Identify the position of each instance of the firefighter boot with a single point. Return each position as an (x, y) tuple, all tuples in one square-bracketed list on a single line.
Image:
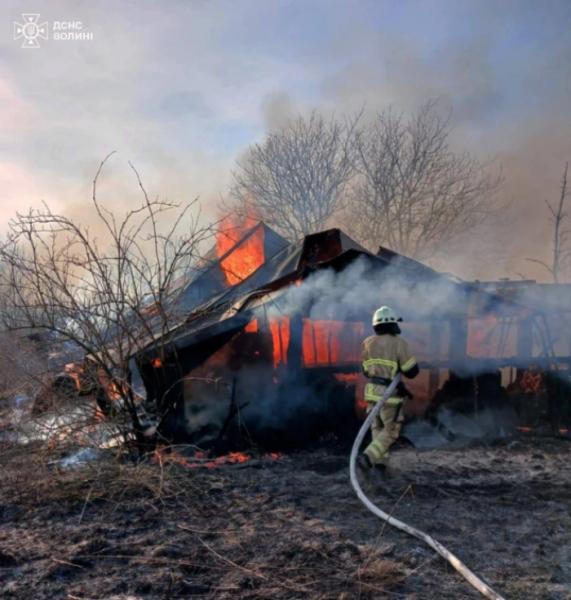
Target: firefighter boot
[(364, 463)]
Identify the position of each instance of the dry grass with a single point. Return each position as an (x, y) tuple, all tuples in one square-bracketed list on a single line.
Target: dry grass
[(164, 531), (288, 528)]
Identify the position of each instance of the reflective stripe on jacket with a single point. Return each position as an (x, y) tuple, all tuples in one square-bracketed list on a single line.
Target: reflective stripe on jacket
[(384, 356)]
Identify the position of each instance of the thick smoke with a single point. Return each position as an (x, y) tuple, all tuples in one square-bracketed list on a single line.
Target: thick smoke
[(350, 295), (355, 292), (359, 289), (289, 399)]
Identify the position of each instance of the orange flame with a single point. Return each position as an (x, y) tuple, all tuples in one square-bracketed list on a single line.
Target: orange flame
[(115, 390), (347, 378), (361, 406), (331, 342), (239, 259), (531, 382), (280, 330), (252, 326), (157, 363), (524, 429), (75, 370), (199, 460)]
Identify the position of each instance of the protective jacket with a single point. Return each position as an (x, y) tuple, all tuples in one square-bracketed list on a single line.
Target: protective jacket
[(383, 357)]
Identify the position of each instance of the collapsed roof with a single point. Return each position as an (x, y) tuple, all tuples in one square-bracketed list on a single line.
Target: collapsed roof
[(220, 294)]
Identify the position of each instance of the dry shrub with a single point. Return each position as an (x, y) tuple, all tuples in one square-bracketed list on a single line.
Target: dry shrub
[(28, 479)]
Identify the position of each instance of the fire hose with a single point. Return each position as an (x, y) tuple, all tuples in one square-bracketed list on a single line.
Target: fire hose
[(471, 577)]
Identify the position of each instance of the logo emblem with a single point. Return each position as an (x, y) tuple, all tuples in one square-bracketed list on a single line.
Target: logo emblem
[(30, 30)]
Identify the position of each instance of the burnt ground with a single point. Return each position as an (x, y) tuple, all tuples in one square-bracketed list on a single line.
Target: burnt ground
[(288, 528)]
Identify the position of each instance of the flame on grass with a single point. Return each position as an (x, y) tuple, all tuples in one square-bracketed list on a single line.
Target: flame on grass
[(201, 460)]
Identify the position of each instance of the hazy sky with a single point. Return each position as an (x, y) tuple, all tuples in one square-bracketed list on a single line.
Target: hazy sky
[(182, 88)]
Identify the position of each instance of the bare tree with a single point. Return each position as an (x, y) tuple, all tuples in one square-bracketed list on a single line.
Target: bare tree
[(561, 251), (296, 178), (112, 297), (412, 192)]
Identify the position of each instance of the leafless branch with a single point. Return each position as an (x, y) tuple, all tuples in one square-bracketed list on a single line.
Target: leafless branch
[(561, 251), (413, 194), (110, 297), (296, 178)]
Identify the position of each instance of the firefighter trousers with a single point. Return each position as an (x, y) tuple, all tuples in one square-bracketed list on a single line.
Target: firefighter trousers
[(385, 431)]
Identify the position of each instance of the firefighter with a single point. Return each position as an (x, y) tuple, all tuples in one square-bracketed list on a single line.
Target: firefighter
[(384, 355)]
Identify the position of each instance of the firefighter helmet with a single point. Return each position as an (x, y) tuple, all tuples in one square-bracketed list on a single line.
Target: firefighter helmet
[(385, 314)]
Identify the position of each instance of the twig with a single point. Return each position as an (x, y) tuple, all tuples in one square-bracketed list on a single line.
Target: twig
[(395, 505), (284, 584), (231, 562), (69, 564), (191, 530), (88, 497)]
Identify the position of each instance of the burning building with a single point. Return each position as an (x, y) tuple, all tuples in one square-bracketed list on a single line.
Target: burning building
[(270, 338)]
